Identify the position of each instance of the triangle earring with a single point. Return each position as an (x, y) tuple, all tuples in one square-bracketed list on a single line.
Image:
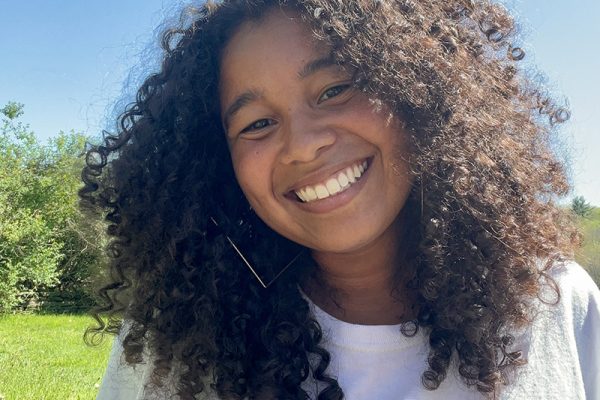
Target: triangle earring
[(263, 283)]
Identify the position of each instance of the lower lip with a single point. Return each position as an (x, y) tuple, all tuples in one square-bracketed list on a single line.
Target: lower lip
[(337, 200)]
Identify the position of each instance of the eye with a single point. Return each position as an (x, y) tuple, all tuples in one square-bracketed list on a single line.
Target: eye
[(333, 92), (258, 125)]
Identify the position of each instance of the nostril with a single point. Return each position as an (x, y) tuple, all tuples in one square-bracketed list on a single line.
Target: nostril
[(305, 143)]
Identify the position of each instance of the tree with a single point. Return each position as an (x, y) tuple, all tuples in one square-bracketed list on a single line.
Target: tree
[(581, 207), (12, 110), (42, 244)]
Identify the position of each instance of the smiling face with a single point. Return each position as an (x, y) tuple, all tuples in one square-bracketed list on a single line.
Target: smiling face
[(315, 159)]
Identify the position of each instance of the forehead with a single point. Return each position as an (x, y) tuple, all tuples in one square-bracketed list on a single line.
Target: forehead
[(277, 44)]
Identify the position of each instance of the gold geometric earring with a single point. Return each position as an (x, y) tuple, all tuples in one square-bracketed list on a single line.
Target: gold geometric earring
[(247, 263)]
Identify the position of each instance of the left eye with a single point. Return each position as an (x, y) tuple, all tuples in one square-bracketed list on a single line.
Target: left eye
[(333, 92), (258, 125)]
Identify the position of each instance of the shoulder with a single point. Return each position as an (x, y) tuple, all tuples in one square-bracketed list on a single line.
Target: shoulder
[(562, 345), (568, 304), (123, 381), (579, 296), (573, 276)]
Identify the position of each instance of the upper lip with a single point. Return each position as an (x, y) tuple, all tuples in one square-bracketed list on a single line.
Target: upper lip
[(320, 175)]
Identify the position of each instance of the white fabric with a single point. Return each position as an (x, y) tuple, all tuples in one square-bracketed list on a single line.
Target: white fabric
[(562, 347)]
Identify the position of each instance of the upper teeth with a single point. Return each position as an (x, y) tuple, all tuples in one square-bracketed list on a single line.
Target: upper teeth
[(335, 184)]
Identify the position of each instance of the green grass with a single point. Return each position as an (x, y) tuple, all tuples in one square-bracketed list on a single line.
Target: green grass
[(43, 357)]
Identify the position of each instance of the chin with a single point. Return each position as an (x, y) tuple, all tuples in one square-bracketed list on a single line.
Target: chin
[(342, 245)]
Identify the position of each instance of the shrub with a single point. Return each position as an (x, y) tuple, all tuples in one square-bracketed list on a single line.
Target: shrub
[(43, 243), (589, 253)]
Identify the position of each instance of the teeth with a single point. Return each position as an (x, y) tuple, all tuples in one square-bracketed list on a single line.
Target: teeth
[(333, 186), (343, 180), (321, 191), (302, 195), (350, 175), (311, 194), (339, 183)]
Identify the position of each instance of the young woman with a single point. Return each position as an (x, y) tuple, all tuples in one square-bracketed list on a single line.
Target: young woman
[(341, 199)]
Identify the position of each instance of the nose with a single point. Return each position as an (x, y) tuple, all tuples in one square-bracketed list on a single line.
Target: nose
[(306, 137)]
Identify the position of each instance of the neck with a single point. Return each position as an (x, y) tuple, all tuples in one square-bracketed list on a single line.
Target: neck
[(360, 287)]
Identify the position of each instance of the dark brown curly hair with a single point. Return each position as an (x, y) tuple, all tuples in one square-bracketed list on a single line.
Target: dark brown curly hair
[(479, 218)]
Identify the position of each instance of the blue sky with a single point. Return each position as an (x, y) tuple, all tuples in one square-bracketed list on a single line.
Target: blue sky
[(69, 60)]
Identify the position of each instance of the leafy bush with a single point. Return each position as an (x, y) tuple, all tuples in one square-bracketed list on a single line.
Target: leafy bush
[(589, 254), (43, 245)]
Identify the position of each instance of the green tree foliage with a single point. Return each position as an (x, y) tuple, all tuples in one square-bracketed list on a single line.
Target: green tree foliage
[(589, 253), (42, 244), (581, 207), (12, 110)]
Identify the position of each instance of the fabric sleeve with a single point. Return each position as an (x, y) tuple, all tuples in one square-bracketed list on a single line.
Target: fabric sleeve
[(586, 315), (122, 381)]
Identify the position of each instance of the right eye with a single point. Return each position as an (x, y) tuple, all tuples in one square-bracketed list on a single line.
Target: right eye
[(333, 91), (258, 125)]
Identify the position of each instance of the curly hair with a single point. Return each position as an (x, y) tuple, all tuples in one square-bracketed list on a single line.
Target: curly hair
[(479, 218)]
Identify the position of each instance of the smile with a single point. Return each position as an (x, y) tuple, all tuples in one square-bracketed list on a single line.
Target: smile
[(337, 183)]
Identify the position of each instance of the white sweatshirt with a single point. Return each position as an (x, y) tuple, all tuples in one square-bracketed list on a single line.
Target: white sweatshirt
[(562, 348)]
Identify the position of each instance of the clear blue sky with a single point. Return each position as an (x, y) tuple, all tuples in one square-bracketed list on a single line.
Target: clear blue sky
[(67, 61)]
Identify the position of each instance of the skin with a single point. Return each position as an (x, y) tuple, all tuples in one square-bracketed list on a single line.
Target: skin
[(297, 125)]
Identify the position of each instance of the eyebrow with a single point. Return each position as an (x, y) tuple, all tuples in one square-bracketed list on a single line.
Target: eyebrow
[(242, 100), (316, 65), (252, 95)]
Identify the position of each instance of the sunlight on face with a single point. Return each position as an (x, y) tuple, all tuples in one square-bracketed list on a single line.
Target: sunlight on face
[(314, 158)]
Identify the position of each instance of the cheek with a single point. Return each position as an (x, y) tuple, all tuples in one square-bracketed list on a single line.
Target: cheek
[(375, 123), (252, 171)]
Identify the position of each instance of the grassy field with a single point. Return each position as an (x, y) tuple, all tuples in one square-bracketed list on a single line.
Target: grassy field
[(43, 357)]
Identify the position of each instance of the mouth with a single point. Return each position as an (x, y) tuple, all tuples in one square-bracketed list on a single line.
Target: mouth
[(333, 185)]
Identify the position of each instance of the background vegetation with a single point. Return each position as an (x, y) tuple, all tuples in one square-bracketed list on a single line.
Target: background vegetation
[(48, 263), (42, 357), (588, 219), (44, 253)]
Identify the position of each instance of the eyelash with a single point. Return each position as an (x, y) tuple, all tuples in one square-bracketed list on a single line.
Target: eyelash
[(253, 127), (338, 89)]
